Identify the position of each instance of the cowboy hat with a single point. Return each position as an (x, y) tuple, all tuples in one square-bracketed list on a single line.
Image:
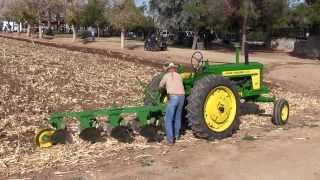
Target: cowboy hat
[(169, 66)]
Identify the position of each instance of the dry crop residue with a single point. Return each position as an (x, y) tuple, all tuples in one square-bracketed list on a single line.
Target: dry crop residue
[(38, 80)]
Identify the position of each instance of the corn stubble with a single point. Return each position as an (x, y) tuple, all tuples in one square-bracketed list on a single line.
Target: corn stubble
[(37, 80)]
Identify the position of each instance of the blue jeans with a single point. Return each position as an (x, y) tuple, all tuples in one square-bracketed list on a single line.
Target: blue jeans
[(173, 117)]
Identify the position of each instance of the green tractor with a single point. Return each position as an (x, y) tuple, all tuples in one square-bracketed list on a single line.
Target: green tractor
[(213, 101), (214, 92)]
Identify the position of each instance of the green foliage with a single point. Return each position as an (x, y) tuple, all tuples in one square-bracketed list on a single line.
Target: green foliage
[(315, 12), (299, 16), (49, 32), (257, 36), (190, 14), (126, 15), (85, 34), (249, 138), (169, 13), (252, 16), (22, 11), (271, 13), (303, 16), (196, 14), (94, 14), (74, 9)]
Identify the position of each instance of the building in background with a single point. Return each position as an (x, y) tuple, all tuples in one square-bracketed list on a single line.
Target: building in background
[(10, 26)]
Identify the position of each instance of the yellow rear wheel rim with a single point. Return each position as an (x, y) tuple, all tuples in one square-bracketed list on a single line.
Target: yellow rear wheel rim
[(44, 138), (220, 109), (285, 113)]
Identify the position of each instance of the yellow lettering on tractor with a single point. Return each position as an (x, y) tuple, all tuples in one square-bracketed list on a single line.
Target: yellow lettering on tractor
[(254, 73)]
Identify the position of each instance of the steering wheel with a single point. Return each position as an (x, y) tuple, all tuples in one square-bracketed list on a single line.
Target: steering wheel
[(197, 61)]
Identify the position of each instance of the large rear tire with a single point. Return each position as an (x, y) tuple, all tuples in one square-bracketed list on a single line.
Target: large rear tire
[(213, 108), (153, 88)]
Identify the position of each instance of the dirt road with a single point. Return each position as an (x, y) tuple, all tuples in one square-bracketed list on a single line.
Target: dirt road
[(259, 151), (277, 155)]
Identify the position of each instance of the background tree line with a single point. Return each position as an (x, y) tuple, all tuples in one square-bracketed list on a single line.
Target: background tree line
[(99, 14), (239, 16)]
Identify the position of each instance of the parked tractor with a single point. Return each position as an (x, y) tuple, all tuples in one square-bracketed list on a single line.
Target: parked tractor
[(155, 43), (212, 108)]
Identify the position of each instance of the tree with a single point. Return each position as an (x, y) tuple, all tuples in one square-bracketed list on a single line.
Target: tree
[(315, 15), (191, 15), (7, 11), (244, 11), (169, 13), (197, 18), (14, 12), (45, 9), (311, 2), (125, 15), (304, 16), (94, 14), (202, 15), (22, 11), (3, 7), (73, 9), (271, 16), (53, 8)]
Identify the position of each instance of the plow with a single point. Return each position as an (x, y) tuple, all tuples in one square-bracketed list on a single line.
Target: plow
[(214, 93)]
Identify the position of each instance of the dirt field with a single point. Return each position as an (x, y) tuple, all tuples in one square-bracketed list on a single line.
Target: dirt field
[(38, 80)]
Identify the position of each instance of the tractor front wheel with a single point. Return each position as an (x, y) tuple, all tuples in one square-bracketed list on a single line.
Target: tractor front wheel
[(213, 108), (280, 112)]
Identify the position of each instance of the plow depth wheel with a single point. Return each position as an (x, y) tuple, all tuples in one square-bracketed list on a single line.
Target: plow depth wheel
[(43, 139), (213, 107)]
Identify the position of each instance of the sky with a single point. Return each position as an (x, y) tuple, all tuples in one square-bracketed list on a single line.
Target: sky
[(139, 2)]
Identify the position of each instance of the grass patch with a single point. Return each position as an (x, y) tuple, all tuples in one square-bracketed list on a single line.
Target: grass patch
[(249, 138)]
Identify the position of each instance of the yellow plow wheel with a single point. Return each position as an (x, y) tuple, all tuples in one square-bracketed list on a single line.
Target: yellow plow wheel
[(43, 138)]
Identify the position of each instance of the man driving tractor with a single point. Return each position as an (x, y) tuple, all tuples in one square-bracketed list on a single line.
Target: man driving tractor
[(173, 83)]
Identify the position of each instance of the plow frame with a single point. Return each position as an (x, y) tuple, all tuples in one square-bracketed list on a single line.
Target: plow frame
[(113, 115)]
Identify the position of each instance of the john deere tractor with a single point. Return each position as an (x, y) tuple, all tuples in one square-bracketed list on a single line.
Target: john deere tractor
[(214, 92), (212, 107)]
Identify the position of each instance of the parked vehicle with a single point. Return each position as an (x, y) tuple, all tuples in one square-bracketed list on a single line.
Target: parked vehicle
[(131, 35), (155, 43), (189, 34), (166, 34)]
